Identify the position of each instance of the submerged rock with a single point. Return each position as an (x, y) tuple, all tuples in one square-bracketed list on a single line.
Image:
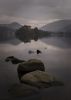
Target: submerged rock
[(30, 66), (40, 79), (24, 90), (14, 60)]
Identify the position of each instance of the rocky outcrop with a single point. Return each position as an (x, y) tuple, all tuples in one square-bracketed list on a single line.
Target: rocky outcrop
[(30, 66), (40, 79), (26, 66), (14, 60), (33, 82), (33, 78)]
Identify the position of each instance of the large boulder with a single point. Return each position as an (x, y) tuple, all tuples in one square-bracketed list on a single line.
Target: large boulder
[(29, 66), (40, 79), (22, 90)]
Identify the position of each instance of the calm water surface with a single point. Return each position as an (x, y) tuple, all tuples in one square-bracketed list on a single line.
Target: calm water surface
[(56, 55)]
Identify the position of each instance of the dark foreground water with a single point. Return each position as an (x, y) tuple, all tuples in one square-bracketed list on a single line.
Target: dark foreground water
[(56, 55)]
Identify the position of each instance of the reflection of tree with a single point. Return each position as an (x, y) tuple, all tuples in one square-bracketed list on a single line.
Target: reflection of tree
[(26, 33), (36, 34)]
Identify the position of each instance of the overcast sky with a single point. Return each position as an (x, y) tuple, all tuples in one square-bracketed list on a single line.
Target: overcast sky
[(34, 12)]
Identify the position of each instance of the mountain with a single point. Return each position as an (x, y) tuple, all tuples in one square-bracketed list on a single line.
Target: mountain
[(7, 31), (62, 26), (57, 26), (14, 25)]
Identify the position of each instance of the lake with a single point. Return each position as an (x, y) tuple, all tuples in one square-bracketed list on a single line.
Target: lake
[(56, 56)]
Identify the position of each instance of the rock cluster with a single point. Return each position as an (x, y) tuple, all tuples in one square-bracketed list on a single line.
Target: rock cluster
[(33, 77)]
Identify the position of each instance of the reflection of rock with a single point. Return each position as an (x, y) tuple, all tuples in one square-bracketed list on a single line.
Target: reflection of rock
[(40, 79), (26, 66), (30, 51), (29, 66), (23, 90), (14, 60)]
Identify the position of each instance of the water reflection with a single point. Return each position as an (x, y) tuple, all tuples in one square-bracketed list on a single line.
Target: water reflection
[(57, 60), (58, 41)]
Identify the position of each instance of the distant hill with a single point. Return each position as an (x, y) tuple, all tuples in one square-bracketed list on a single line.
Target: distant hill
[(63, 26), (7, 31), (57, 26), (14, 25)]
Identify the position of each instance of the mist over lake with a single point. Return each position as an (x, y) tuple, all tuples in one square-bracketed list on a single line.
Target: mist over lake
[(56, 56)]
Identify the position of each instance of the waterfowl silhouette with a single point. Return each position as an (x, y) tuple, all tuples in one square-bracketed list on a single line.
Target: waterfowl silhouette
[(38, 51)]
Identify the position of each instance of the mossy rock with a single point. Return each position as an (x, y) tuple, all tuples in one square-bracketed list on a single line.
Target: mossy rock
[(40, 79), (30, 66), (22, 90)]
